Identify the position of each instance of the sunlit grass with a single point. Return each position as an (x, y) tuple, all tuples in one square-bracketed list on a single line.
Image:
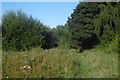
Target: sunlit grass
[(0, 57), (43, 63), (60, 63), (96, 63)]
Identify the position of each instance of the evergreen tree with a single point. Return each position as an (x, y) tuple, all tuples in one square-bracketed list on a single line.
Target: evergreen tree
[(81, 25)]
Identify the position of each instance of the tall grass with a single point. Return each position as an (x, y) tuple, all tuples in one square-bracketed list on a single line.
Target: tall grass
[(60, 63), (43, 63), (0, 63), (96, 63)]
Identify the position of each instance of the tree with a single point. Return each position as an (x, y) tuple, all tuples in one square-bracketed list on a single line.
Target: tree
[(106, 25), (21, 32), (49, 40), (61, 33), (81, 25)]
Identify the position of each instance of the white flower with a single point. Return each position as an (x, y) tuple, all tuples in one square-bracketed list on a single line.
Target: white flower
[(7, 77), (28, 67), (21, 67), (24, 66)]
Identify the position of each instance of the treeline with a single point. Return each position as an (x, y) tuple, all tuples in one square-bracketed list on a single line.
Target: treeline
[(95, 23), (21, 32), (90, 24)]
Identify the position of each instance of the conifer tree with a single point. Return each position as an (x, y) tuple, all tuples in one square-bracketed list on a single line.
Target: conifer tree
[(81, 25)]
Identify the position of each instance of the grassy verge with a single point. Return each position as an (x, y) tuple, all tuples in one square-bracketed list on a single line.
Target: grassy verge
[(57, 63)]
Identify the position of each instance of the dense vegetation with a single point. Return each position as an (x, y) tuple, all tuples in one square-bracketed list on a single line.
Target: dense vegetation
[(90, 24), (60, 63), (21, 32), (94, 26), (81, 25), (62, 35), (94, 23)]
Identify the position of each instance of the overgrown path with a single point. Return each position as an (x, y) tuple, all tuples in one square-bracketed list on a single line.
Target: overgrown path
[(98, 63)]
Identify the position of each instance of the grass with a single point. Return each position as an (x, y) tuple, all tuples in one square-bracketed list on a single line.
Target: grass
[(60, 63), (0, 63), (98, 64)]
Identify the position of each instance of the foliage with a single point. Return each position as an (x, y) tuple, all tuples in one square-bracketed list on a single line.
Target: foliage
[(81, 25), (106, 24), (60, 63), (21, 32), (49, 40), (91, 23), (62, 35), (118, 26)]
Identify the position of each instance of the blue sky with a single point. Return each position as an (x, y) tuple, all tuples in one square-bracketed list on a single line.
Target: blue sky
[(49, 13), (0, 7), (40, 0)]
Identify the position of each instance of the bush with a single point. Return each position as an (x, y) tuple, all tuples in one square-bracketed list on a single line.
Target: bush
[(21, 32)]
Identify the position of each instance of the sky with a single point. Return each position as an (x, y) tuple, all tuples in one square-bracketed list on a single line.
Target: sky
[(39, 0), (0, 11), (49, 13)]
